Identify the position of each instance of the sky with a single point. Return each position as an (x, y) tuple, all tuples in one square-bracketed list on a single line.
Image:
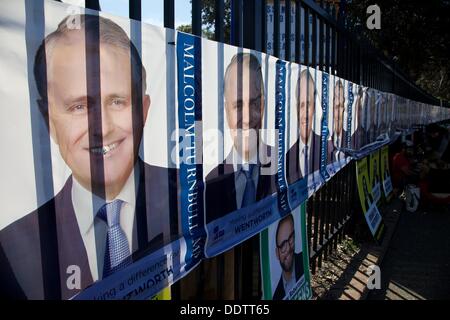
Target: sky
[(152, 10)]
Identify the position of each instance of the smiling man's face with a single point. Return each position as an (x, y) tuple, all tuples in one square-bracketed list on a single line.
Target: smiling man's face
[(244, 105), (68, 112), (338, 109), (306, 109)]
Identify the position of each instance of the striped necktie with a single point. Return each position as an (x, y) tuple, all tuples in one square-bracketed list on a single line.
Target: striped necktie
[(117, 250)]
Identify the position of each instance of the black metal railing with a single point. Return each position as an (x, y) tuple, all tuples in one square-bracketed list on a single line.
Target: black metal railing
[(236, 273)]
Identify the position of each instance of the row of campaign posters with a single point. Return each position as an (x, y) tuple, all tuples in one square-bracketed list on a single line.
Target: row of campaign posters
[(373, 180), (129, 164)]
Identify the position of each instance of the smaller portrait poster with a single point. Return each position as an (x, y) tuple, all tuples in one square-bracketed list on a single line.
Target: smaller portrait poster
[(284, 258), (374, 174)]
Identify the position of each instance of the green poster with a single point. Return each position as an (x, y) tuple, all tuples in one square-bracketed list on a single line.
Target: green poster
[(385, 174), (369, 206), (285, 258), (375, 181), (164, 294)]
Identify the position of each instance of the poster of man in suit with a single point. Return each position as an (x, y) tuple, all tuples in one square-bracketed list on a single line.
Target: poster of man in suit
[(284, 259), (303, 157), (336, 141), (114, 208), (359, 135), (246, 175)]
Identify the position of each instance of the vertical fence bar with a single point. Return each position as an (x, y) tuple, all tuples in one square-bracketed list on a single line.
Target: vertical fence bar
[(197, 17), (287, 34), (316, 209), (327, 48), (306, 36), (169, 14), (92, 4), (219, 7), (314, 40), (297, 31), (236, 23), (321, 46), (328, 191), (276, 28), (309, 226), (263, 26), (333, 204), (134, 9)]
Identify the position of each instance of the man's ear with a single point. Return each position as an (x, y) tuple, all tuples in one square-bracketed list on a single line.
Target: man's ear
[(277, 253), (146, 102)]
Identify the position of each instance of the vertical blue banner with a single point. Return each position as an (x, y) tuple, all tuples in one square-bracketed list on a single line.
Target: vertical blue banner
[(190, 139), (280, 126), (324, 128), (348, 137)]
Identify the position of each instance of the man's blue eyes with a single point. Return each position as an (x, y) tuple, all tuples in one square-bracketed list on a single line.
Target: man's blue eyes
[(78, 108), (82, 107)]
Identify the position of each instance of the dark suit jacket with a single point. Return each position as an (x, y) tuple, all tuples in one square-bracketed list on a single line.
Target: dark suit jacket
[(36, 250), (293, 171), (332, 149), (372, 133), (358, 139), (279, 293), (220, 194)]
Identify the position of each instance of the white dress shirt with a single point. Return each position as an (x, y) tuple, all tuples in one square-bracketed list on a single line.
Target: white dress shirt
[(289, 285), (337, 142), (302, 157), (86, 206)]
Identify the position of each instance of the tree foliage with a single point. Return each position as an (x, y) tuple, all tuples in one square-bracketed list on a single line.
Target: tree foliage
[(416, 35), (209, 18)]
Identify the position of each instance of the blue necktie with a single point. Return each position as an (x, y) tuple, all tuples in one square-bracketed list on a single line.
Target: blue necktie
[(250, 191), (117, 251), (306, 159)]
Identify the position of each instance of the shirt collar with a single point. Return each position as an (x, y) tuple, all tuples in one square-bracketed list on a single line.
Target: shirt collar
[(239, 162), (87, 204), (302, 145)]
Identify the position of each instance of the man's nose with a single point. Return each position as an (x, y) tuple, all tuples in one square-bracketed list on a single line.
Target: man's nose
[(107, 121), (245, 116)]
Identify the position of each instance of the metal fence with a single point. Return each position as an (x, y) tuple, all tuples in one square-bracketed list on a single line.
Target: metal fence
[(236, 273)]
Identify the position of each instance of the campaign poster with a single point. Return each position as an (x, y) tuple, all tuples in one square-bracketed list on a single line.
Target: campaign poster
[(368, 204), (359, 124), (244, 143), (337, 124), (164, 294), (299, 86), (315, 129), (374, 175), (89, 191), (385, 173), (372, 116), (284, 258)]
